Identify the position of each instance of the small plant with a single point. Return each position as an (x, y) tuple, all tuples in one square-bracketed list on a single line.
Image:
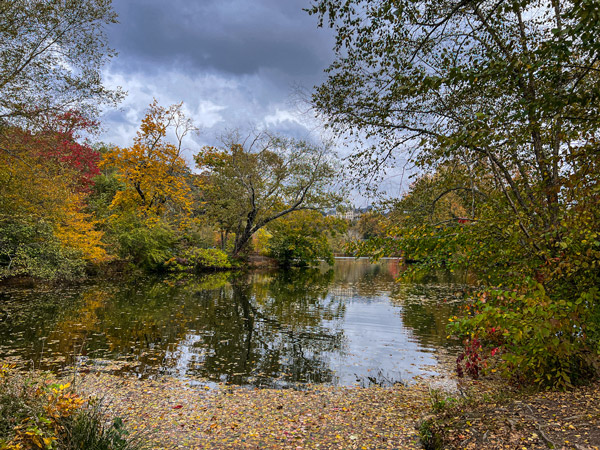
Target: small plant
[(89, 430), (441, 402), (470, 361), (429, 436), (37, 414)]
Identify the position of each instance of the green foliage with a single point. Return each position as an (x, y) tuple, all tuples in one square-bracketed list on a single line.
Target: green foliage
[(200, 259), (553, 342), (441, 401), (295, 249), (148, 245), (88, 430), (106, 185), (430, 438), (252, 182), (301, 239), (32, 249)]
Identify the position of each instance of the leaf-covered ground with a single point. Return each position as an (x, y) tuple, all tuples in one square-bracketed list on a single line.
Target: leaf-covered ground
[(559, 420), (176, 415)]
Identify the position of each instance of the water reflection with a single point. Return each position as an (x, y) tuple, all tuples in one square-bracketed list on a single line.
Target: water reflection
[(342, 326)]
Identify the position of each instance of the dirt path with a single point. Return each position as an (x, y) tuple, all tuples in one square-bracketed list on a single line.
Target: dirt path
[(178, 416)]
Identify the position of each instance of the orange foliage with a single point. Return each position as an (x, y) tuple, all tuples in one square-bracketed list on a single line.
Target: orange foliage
[(45, 176), (77, 230), (155, 175)]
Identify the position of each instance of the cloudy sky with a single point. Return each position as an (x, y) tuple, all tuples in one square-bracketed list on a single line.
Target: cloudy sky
[(234, 64)]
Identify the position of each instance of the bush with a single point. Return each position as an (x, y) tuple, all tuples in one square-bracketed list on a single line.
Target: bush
[(32, 249), (148, 245), (200, 259), (39, 414), (550, 342), (302, 239)]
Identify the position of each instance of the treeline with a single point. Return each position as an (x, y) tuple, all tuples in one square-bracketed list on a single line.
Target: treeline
[(68, 206)]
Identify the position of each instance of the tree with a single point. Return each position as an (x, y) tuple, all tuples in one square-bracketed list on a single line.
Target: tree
[(248, 184), (498, 100), (301, 238), (51, 56), (371, 224), (44, 182), (155, 177), (508, 88)]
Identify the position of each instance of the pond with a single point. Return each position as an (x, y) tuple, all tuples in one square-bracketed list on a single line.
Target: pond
[(352, 324)]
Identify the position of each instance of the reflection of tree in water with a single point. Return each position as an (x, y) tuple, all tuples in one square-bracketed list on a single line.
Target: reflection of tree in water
[(267, 329), (247, 329), (426, 308), (136, 320), (26, 324), (278, 333), (361, 278)]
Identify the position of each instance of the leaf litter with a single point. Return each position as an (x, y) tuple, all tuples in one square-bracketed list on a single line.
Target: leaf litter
[(175, 414)]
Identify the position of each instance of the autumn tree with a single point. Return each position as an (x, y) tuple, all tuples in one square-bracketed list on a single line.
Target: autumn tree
[(152, 189), (498, 101), (44, 182), (371, 224), (51, 57), (507, 86), (252, 182), (155, 176)]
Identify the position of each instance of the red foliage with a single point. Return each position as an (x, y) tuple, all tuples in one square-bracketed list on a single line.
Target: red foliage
[(59, 142), (471, 358)]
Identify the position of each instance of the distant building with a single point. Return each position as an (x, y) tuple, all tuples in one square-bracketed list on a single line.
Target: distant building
[(351, 214)]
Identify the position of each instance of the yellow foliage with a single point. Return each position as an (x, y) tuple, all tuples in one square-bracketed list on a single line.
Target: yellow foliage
[(77, 230), (155, 175), (35, 187), (29, 185)]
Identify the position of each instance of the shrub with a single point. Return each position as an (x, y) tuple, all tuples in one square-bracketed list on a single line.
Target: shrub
[(199, 259), (550, 342), (302, 239), (148, 245), (32, 249)]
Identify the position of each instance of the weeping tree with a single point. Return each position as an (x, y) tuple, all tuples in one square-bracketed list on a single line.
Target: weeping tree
[(251, 182)]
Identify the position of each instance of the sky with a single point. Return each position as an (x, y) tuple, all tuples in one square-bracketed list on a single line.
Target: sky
[(236, 64)]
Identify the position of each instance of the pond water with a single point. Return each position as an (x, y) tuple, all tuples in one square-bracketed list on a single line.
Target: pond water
[(352, 324)]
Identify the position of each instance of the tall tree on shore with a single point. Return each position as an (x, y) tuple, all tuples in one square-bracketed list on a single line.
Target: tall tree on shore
[(506, 87), (249, 183), (153, 172)]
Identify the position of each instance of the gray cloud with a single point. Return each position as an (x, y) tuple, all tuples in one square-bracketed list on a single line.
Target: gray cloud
[(231, 36), (232, 62)]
